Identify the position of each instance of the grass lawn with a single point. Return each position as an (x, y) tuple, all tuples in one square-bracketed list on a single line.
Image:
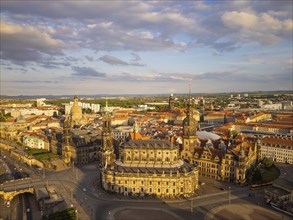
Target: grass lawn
[(36, 151), (46, 156), (41, 154), (270, 174)]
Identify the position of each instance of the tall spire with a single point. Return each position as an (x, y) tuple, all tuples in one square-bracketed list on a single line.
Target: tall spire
[(108, 155), (189, 130), (189, 93), (188, 109), (106, 108)]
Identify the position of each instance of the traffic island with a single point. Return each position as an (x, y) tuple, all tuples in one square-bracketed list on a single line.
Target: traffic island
[(241, 211), (132, 213)]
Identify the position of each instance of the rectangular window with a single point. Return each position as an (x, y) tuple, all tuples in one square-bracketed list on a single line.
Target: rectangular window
[(167, 190), (159, 190)]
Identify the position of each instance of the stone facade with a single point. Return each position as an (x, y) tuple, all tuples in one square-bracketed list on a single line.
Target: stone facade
[(224, 161), (75, 113), (77, 149), (277, 148), (145, 167)]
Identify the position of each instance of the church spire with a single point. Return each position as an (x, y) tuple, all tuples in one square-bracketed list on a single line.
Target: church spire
[(107, 153), (106, 108), (189, 131), (189, 112), (189, 85), (189, 123)]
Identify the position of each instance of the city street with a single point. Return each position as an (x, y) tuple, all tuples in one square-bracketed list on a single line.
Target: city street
[(80, 188)]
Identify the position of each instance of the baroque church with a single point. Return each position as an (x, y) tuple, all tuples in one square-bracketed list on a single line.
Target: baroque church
[(145, 167)]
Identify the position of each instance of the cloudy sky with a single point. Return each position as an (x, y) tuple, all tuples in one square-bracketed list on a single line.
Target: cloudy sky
[(145, 47)]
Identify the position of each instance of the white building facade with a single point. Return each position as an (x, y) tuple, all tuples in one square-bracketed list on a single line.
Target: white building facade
[(278, 149)]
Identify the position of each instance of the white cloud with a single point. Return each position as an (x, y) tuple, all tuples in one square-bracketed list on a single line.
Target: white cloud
[(20, 43), (263, 27), (239, 19)]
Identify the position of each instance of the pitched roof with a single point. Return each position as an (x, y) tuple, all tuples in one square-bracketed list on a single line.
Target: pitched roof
[(158, 144)]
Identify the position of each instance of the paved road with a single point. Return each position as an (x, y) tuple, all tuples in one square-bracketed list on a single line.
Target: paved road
[(99, 204), (80, 187)]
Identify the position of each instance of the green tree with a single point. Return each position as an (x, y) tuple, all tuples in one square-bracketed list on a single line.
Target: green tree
[(267, 162), (34, 104)]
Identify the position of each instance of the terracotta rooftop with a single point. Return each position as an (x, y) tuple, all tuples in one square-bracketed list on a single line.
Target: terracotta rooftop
[(278, 141)]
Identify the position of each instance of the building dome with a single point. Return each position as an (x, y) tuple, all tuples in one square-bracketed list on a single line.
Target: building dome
[(75, 112), (204, 135)]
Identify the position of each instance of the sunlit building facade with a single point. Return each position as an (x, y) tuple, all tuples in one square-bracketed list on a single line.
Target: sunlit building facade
[(145, 167)]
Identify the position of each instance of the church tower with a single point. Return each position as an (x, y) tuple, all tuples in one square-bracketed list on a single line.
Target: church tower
[(241, 168), (107, 152), (66, 141), (171, 102), (189, 131)]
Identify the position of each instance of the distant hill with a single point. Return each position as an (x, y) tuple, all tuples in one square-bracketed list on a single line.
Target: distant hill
[(138, 95)]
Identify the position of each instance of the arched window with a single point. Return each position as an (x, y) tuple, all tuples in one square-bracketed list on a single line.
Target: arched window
[(167, 159), (128, 158)]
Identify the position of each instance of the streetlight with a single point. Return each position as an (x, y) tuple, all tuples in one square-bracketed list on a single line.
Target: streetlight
[(229, 195), (76, 214), (191, 205)]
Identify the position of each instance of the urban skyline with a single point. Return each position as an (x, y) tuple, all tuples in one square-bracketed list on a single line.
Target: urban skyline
[(126, 47)]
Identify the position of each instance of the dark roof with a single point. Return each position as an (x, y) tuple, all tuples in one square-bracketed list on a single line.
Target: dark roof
[(184, 168), (284, 184), (158, 144)]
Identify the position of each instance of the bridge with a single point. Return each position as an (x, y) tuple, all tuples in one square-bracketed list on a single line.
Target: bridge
[(12, 188)]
